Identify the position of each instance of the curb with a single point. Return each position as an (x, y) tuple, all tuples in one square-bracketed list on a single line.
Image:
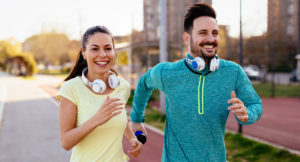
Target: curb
[(158, 131), (268, 143), (2, 100)]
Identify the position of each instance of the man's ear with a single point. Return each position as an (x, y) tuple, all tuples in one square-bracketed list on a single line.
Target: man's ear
[(186, 38)]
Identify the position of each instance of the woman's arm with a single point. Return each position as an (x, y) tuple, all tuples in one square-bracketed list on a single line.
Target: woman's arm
[(135, 144), (70, 135)]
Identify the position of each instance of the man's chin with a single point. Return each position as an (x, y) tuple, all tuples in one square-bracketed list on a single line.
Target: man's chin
[(208, 55)]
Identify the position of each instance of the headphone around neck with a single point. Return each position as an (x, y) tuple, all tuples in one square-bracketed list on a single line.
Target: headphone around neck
[(98, 85), (198, 63)]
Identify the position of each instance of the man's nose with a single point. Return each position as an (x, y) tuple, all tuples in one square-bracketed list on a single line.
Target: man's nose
[(210, 38)]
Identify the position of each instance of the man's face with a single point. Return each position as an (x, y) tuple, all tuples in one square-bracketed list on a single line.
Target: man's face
[(204, 38)]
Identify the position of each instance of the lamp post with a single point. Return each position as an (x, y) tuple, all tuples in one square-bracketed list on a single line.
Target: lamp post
[(163, 45), (241, 52)]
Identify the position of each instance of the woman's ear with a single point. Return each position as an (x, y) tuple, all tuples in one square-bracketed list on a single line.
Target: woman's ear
[(83, 53), (186, 38)]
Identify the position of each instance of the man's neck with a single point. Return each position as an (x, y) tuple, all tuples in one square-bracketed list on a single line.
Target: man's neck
[(194, 56)]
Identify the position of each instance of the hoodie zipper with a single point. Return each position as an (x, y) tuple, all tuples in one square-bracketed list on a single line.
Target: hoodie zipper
[(201, 95)]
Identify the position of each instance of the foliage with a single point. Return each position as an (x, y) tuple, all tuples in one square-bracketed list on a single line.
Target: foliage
[(9, 48), (153, 97), (264, 90), (30, 63), (52, 48)]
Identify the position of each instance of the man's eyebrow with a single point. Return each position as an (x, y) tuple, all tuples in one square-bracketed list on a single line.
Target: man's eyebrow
[(202, 30)]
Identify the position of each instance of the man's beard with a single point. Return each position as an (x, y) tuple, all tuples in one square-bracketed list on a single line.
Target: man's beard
[(197, 51)]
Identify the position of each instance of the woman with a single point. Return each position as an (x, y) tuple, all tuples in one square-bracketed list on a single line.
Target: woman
[(92, 113)]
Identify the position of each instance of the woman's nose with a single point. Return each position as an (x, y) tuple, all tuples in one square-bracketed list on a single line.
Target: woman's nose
[(102, 53)]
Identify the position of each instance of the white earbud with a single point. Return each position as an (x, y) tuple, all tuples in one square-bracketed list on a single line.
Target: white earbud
[(199, 64), (98, 85), (113, 81), (214, 64)]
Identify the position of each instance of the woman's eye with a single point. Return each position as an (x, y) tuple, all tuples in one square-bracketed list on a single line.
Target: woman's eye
[(94, 49), (108, 49)]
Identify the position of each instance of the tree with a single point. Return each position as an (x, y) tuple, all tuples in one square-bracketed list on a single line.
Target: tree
[(51, 48), (9, 48)]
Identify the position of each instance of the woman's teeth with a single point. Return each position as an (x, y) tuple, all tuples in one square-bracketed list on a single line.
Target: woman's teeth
[(101, 63)]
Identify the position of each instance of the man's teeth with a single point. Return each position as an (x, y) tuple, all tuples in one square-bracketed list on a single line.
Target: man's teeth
[(208, 46), (101, 63)]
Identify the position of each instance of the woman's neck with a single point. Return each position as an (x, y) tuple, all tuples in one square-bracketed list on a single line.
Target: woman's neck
[(92, 76)]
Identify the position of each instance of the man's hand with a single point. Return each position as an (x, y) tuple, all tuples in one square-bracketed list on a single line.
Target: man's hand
[(238, 108), (138, 127)]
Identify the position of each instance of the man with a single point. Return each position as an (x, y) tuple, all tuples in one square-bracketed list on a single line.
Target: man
[(200, 91)]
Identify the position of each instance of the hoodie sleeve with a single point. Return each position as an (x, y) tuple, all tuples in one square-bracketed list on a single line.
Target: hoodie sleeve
[(151, 80), (249, 97)]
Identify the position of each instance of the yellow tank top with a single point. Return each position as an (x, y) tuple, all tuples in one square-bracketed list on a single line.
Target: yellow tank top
[(104, 143)]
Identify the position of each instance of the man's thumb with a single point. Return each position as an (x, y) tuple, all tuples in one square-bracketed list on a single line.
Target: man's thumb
[(233, 94)]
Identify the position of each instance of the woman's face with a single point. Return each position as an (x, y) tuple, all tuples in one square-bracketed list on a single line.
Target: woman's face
[(99, 53)]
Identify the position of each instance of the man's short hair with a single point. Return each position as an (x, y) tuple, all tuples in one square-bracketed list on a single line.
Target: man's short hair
[(195, 11)]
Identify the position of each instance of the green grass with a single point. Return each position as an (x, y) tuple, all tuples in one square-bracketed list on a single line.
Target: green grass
[(264, 90), (239, 148), (155, 118)]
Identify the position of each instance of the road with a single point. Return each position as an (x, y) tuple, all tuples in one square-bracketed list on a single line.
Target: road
[(29, 129)]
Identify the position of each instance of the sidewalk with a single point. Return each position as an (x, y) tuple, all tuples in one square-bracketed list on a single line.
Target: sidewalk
[(29, 129)]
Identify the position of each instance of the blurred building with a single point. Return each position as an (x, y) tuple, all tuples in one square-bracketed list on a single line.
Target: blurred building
[(283, 30), (176, 12)]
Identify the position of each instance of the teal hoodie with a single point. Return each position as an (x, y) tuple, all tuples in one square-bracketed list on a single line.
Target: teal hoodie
[(196, 107)]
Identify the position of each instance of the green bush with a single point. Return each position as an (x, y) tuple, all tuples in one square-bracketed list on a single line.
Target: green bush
[(31, 64)]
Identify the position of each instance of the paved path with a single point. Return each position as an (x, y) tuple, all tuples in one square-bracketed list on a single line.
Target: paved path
[(29, 128)]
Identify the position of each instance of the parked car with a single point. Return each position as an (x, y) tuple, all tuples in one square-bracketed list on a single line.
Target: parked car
[(293, 77), (253, 72)]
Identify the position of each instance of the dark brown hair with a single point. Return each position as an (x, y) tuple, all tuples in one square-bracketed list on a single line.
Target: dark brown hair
[(195, 11), (81, 62)]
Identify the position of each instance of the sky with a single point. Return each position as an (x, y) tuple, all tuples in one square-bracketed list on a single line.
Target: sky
[(21, 19)]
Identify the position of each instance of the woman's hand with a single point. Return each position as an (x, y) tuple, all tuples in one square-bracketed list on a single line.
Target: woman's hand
[(110, 108), (137, 147)]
